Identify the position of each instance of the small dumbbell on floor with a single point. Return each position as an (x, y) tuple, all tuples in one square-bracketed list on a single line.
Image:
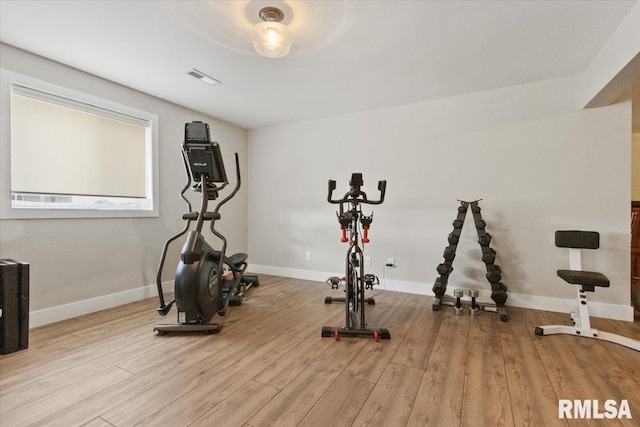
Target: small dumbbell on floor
[(475, 309), (458, 308)]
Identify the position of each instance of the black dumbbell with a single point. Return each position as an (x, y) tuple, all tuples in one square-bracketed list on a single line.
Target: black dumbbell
[(494, 276), (457, 223), (485, 239), (488, 255), (449, 253), (444, 268), (439, 287), (494, 267), (499, 297), (453, 238), (481, 224)]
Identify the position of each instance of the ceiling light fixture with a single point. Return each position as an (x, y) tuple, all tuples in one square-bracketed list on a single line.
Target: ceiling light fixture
[(203, 77), (271, 38)]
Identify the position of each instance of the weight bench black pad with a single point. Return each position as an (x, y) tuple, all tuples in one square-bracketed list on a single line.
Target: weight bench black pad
[(588, 279), (578, 239)]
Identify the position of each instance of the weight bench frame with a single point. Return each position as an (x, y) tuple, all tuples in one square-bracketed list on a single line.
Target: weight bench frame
[(575, 241)]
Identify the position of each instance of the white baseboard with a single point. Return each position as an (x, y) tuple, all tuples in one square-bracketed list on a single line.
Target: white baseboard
[(79, 308), (561, 305)]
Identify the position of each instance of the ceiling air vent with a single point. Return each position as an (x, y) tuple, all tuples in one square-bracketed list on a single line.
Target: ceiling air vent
[(202, 76)]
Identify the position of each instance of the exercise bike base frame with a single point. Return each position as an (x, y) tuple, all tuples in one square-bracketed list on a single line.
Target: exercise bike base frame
[(330, 300), (330, 331)]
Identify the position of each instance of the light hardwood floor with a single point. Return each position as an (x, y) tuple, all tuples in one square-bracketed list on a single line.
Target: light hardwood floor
[(270, 367)]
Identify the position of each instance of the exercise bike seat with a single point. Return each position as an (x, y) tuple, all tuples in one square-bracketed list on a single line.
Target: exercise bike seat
[(588, 279)]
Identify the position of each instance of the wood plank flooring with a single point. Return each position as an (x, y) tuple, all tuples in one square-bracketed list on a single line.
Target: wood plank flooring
[(270, 367)]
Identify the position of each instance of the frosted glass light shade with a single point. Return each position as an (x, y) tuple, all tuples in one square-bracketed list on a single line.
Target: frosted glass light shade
[(271, 39)]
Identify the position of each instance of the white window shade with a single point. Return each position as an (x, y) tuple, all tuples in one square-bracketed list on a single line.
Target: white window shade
[(61, 150)]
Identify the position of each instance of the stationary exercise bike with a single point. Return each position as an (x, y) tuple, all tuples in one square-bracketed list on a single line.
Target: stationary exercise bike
[(355, 280), (202, 286)]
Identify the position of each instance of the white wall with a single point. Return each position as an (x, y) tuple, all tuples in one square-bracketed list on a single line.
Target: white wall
[(80, 265), (538, 160)]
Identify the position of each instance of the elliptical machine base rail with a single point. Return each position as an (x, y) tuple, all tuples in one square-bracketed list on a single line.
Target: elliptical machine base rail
[(209, 328)]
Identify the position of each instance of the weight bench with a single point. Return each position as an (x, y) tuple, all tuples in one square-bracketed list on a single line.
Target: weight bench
[(586, 281)]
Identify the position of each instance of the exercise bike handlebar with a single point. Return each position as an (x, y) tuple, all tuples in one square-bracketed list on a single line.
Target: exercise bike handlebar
[(356, 195)]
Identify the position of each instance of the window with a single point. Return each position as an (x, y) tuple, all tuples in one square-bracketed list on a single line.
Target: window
[(74, 155)]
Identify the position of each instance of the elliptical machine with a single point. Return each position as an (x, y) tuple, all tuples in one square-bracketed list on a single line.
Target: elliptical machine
[(355, 280), (202, 288)]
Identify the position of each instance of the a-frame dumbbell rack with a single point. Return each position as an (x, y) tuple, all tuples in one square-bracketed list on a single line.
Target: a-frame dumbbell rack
[(494, 274)]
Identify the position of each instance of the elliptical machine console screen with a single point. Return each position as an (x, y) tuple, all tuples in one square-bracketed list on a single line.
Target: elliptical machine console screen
[(204, 157), (197, 132)]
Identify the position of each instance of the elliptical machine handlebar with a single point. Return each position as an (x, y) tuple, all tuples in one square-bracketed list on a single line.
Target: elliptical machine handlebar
[(235, 190)]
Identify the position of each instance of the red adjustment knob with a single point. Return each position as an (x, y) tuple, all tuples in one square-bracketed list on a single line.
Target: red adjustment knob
[(365, 237), (344, 236)]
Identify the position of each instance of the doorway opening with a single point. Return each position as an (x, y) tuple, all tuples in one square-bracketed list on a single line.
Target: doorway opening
[(635, 199)]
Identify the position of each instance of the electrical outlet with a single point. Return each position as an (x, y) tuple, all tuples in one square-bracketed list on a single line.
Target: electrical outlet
[(307, 256), (367, 260), (391, 262)]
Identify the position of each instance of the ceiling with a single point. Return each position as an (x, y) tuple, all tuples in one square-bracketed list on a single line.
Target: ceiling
[(348, 56)]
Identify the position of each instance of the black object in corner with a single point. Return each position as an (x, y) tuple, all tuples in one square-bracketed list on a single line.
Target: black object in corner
[(14, 302)]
